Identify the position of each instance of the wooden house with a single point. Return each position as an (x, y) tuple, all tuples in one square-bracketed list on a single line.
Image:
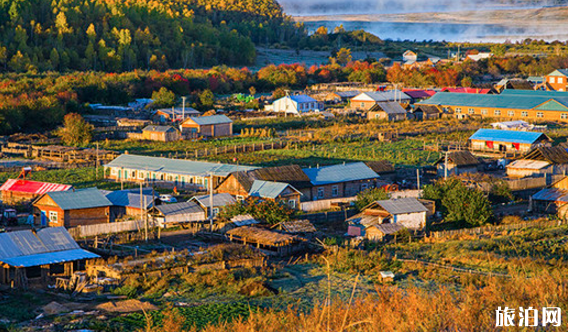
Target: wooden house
[(342, 180), (16, 191), (130, 203), (382, 232), (408, 212), (552, 200), (160, 133), (177, 213), (72, 208), (267, 241), (459, 162), (240, 183), (427, 112), (384, 168), (389, 111), (297, 104), (507, 141), (220, 201), (557, 80), (207, 126), (168, 172), (365, 100), (540, 160), (29, 259), (276, 191)]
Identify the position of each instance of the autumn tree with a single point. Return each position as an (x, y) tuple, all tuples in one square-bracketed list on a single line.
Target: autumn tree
[(343, 56), (163, 98), (370, 195), (207, 98), (75, 131)]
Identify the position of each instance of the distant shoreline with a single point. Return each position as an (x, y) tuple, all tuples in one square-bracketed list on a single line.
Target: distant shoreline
[(554, 17)]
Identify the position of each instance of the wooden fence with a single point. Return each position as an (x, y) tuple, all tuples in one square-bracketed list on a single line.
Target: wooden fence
[(325, 204), (496, 228), (110, 228), (196, 154), (533, 182)]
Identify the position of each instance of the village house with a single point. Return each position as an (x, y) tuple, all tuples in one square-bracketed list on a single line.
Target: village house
[(507, 141), (297, 104), (340, 96), (220, 201), (510, 104), (178, 173), (160, 133), (366, 100), (409, 56), (513, 84), (552, 200), (408, 212), (34, 259), (72, 208), (557, 80), (458, 162), (166, 215), (16, 191), (207, 126), (130, 203), (240, 183), (276, 191), (539, 161), (174, 114), (427, 112), (342, 180), (389, 111)]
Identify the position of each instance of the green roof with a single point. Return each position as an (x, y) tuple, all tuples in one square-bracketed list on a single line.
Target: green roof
[(79, 199), (535, 93), (552, 105), (512, 101)]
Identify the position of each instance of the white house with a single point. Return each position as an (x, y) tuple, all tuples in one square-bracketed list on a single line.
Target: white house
[(297, 104)]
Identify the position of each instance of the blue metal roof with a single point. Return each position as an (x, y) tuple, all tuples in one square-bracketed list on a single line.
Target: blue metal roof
[(128, 198), (340, 173), (175, 166), (210, 120), (79, 199), (268, 189), (510, 136), (302, 99), (49, 258)]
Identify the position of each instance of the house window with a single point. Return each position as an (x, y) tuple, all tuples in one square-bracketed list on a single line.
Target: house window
[(240, 198), (497, 112), (53, 216), (564, 116), (524, 113), (511, 113), (377, 116), (362, 105), (471, 111), (320, 193), (551, 80), (484, 112), (539, 115), (364, 186), (215, 211), (334, 191), (292, 203), (560, 80), (133, 175), (458, 110)]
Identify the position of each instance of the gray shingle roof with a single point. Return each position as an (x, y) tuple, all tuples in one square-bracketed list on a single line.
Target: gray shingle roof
[(402, 205), (222, 199), (179, 208), (162, 129), (340, 173), (390, 107), (79, 199), (390, 95), (175, 166), (212, 119)]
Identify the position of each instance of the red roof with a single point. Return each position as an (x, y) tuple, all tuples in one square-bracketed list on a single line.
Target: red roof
[(32, 187), (419, 94), (467, 90)]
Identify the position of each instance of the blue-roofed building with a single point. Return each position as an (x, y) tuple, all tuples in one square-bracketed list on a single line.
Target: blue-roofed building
[(297, 104), (207, 126), (129, 202), (536, 106), (507, 141), (72, 208), (37, 258), (167, 172), (276, 191), (342, 180)]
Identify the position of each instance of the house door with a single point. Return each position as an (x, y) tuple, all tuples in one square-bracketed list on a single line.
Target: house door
[(43, 219)]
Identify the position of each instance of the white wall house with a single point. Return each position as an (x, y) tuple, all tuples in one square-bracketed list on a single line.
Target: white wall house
[(297, 104)]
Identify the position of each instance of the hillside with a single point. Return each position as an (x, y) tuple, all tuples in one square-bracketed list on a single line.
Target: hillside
[(125, 35)]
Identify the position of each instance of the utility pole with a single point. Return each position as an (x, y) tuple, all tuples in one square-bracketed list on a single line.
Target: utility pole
[(418, 178), (183, 108), (446, 166), (142, 208), (211, 200), (97, 161)]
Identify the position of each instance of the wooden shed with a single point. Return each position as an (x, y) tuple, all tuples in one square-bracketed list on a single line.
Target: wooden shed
[(160, 133), (540, 160), (459, 162), (171, 214), (207, 126), (389, 111), (268, 241)]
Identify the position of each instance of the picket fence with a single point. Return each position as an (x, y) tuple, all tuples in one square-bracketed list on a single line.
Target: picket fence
[(80, 232)]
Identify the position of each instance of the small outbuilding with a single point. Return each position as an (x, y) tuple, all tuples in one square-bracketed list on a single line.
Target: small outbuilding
[(207, 126), (538, 161), (458, 162), (389, 111), (160, 133), (267, 241), (177, 213)]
